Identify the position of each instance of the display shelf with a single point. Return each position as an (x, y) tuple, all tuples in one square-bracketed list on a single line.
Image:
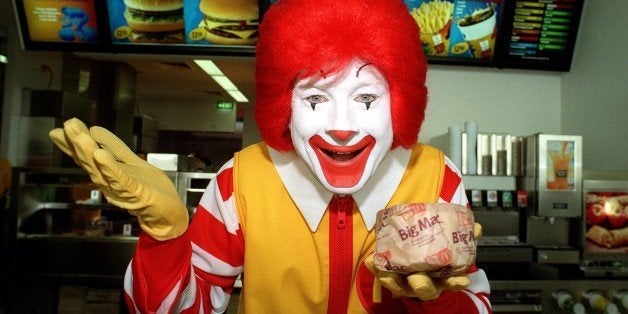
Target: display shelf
[(195, 190), (501, 183), (191, 186), (59, 225), (93, 206), (109, 238)]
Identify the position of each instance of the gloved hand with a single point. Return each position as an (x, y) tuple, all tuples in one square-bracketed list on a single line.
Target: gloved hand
[(419, 284), (126, 180)]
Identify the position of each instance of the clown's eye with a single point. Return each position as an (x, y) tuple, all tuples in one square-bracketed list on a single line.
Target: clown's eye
[(367, 99), (316, 99)]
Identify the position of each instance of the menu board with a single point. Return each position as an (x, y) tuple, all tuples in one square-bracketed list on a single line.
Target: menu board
[(457, 28), (606, 216), (531, 34), (222, 22), (195, 22), (542, 32), (138, 22), (60, 20)]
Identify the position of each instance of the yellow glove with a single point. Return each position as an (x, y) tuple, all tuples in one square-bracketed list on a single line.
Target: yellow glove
[(126, 180), (419, 284)]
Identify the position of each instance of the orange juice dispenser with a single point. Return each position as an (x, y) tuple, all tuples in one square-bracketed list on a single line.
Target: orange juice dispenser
[(553, 179)]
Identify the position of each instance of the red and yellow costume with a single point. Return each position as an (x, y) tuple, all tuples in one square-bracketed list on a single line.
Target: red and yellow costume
[(249, 222), (340, 98)]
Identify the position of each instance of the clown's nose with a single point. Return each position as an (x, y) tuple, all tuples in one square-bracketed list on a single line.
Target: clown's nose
[(342, 135)]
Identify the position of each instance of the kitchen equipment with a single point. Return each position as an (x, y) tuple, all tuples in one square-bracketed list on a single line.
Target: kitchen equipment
[(191, 186), (169, 162), (59, 227), (558, 296), (605, 224), (500, 252), (553, 179)]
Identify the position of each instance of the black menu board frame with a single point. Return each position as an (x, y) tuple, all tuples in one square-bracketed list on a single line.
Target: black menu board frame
[(546, 18), (501, 58), (105, 42)]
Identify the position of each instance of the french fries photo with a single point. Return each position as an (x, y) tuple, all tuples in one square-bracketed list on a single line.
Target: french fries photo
[(432, 16)]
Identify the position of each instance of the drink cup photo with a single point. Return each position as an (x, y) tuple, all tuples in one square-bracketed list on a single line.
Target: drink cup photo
[(560, 165), (478, 30)]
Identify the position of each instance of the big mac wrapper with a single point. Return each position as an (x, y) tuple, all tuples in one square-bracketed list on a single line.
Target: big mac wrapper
[(433, 238)]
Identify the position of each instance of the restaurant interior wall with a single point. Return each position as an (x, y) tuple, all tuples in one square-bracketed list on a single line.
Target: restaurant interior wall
[(200, 112), (519, 102), (595, 92)]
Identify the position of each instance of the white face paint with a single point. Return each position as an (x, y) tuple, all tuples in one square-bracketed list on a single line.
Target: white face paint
[(341, 125)]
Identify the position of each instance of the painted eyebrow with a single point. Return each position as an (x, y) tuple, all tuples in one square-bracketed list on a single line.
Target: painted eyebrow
[(357, 73)]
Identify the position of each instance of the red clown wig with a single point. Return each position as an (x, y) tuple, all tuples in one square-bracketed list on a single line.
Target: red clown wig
[(300, 38)]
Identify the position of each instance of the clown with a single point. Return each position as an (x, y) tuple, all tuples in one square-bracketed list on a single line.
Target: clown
[(340, 100)]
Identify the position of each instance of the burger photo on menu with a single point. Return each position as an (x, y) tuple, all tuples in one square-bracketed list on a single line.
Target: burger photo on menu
[(147, 21), (222, 22)]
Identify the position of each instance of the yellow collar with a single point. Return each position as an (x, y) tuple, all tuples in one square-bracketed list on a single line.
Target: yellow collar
[(312, 198)]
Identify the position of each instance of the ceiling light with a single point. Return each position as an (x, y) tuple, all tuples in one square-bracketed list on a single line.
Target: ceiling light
[(209, 67), (3, 59), (212, 70), (238, 96), (224, 82)]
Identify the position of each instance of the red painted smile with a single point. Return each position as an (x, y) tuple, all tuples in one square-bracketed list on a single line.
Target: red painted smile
[(342, 166)]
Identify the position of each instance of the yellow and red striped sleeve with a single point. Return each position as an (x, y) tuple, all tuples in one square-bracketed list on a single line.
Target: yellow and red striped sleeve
[(194, 273)]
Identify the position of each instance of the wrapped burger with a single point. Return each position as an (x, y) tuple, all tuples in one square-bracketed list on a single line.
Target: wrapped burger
[(433, 238)]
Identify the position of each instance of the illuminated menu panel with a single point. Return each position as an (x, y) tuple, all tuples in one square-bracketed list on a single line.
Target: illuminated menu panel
[(61, 21), (457, 28), (184, 23), (151, 22), (531, 34), (543, 31), (606, 221)]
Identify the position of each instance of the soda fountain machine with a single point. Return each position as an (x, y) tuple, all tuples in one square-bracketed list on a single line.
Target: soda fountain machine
[(553, 179)]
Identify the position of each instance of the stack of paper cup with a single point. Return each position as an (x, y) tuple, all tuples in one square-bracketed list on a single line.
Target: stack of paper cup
[(455, 145), (471, 129)]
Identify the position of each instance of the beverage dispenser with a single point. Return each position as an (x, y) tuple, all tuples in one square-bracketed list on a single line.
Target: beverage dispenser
[(553, 179)]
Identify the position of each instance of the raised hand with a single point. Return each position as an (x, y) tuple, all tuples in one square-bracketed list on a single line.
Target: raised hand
[(126, 180)]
